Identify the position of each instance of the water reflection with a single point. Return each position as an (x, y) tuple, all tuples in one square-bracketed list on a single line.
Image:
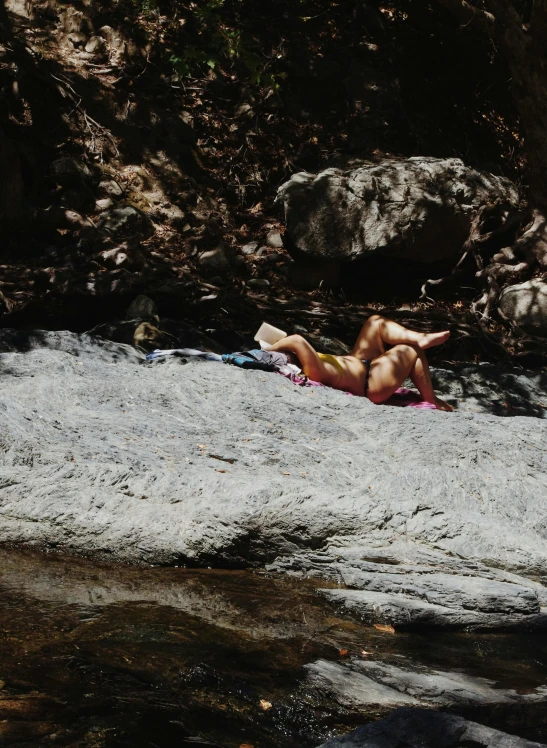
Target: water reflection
[(97, 655)]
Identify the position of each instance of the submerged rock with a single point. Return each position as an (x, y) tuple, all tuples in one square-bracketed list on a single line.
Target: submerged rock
[(364, 684), (427, 518), (422, 728), (417, 209)]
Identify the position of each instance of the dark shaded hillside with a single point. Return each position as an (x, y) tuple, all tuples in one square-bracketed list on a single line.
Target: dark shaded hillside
[(135, 135)]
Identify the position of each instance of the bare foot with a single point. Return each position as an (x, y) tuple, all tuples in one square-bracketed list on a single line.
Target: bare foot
[(429, 339), (441, 405)]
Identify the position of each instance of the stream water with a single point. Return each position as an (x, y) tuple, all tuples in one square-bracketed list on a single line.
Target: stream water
[(98, 655)]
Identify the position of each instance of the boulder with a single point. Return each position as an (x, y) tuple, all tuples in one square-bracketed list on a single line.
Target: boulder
[(422, 728), (525, 304), (418, 209)]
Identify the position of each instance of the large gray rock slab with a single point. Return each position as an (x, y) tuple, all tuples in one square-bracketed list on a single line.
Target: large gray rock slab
[(407, 587), (202, 463), (525, 304), (418, 209), (489, 388), (404, 612), (422, 728)]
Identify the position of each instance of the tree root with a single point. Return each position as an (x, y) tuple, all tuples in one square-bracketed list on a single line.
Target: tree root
[(505, 219), (513, 265)]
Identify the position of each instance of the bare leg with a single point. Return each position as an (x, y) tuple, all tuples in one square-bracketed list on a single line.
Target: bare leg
[(377, 332), (389, 371), (421, 379)]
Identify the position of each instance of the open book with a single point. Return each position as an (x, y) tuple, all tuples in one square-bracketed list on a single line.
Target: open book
[(267, 335)]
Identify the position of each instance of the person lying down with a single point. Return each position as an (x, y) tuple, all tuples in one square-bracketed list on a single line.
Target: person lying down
[(384, 355)]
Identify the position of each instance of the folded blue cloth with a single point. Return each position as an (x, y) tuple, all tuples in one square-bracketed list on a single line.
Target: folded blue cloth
[(256, 359), (157, 354)]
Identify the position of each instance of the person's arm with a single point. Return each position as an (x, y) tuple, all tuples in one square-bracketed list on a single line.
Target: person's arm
[(311, 364)]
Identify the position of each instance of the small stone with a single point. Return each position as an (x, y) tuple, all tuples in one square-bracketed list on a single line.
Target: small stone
[(77, 38), (187, 118), (250, 248), (83, 244), (77, 199), (104, 203), (142, 307), (243, 111), (258, 283), (216, 280), (147, 336), (113, 38), (125, 220), (214, 260), (72, 21), (239, 262), (73, 218), (122, 256), (274, 257), (69, 171), (95, 45), (52, 253), (262, 251), (275, 240), (110, 188)]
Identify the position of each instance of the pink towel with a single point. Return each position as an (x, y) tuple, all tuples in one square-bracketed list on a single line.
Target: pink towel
[(405, 398), (401, 398)]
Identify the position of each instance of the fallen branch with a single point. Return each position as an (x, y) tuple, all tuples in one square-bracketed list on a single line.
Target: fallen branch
[(76, 99)]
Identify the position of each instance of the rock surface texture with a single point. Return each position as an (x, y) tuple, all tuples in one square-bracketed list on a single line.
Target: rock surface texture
[(427, 518), (361, 684), (421, 728), (417, 209)]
